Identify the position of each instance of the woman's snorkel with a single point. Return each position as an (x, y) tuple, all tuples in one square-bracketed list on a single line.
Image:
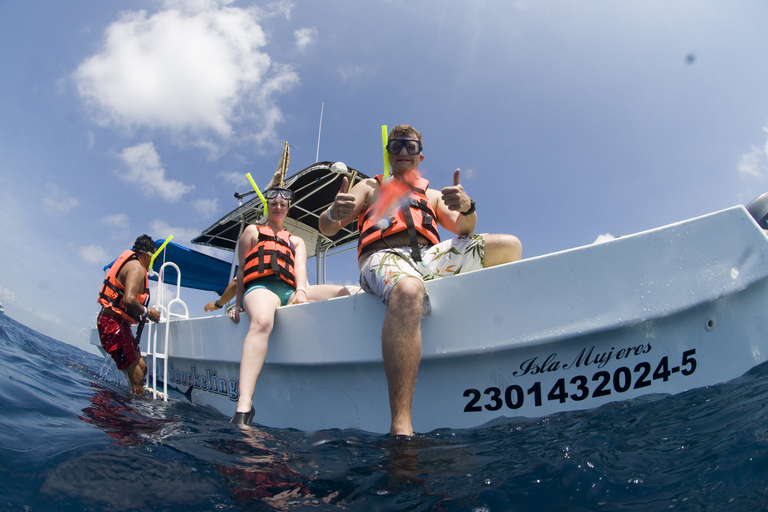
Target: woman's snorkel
[(258, 192)]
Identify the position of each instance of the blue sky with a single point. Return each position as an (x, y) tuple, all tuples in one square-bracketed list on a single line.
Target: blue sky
[(568, 119)]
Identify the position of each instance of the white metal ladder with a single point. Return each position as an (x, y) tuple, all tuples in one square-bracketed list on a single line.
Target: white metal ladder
[(166, 313)]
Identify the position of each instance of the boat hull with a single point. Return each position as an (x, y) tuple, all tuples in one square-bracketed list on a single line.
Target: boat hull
[(658, 312)]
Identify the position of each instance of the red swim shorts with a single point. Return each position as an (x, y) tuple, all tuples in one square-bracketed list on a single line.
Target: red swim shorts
[(117, 339)]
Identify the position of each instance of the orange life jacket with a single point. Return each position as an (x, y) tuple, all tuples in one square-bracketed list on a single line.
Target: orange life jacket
[(419, 217), (112, 292), (273, 255)]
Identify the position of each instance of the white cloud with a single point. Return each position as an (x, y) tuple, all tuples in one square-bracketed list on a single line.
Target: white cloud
[(146, 171), (206, 207), (751, 163), (765, 147), (7, 295), (118, 220), (239, 183), (194, 6), (58, 200), (94, 254), (279, 8), (193, 67), (755, 162), (349, 71), (182, 236), (304, 37), (236, 179), (268, 111)]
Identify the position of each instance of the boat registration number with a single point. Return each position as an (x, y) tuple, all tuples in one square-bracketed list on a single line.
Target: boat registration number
[(600, 384)]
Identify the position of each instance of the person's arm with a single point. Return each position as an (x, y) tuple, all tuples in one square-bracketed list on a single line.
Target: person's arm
[(243, 246), (275, 180), (299, 269), (229, 292), (133, 279), (452, 205), (346, 207)]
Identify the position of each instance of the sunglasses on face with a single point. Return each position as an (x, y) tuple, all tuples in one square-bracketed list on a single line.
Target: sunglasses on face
[(394, 146), (285, 193)]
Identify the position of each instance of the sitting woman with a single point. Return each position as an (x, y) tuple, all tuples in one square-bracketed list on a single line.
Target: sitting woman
[(272, 272)]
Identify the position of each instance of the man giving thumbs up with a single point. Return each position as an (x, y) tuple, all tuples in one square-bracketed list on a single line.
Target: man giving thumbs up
[(400, 248)]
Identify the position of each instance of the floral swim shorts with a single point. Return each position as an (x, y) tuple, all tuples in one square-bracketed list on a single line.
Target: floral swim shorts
[(381, 271)]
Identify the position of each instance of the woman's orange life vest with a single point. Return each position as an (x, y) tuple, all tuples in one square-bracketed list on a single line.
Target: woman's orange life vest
[(273, 255), (112, 292), (419, 217)]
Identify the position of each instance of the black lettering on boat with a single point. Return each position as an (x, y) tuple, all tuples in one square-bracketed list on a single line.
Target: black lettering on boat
[(207, 381)]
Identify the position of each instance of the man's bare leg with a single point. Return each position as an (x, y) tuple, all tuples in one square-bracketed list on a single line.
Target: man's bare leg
[(136, 373), (401, 350), (501, 249)]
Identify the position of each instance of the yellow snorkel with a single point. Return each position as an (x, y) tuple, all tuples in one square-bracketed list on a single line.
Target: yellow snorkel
[(384, 139), (258, 192), (150, 272), (157, 252)]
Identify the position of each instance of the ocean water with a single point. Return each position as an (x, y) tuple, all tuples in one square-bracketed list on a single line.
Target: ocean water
[(72, 437)]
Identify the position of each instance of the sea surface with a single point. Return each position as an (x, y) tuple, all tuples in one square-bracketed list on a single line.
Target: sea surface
[(72, 438)]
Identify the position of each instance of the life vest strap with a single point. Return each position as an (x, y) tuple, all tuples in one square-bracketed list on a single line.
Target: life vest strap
[(273, 256), (115, 302), (415, 252)]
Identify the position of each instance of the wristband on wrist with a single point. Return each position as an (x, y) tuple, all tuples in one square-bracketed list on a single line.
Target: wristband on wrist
[(216, 303), (145, 314), (301, 289), (329, 216), (471, 208)]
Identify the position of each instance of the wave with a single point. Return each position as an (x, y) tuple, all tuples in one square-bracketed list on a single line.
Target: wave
[(74, 438)]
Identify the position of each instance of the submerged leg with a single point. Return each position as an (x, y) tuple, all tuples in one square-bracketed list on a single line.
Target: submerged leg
[(260, 306), (401, 350), (136, 372)]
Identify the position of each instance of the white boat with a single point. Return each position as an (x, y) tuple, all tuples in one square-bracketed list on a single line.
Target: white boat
[(657, 312)]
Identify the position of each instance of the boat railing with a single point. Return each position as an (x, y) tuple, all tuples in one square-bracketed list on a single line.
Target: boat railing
[(167, 312)]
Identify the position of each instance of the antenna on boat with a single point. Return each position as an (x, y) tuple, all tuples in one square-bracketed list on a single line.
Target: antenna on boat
[(317, 155)]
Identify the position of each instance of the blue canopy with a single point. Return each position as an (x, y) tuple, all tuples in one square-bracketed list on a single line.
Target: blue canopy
[(198, 270)]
